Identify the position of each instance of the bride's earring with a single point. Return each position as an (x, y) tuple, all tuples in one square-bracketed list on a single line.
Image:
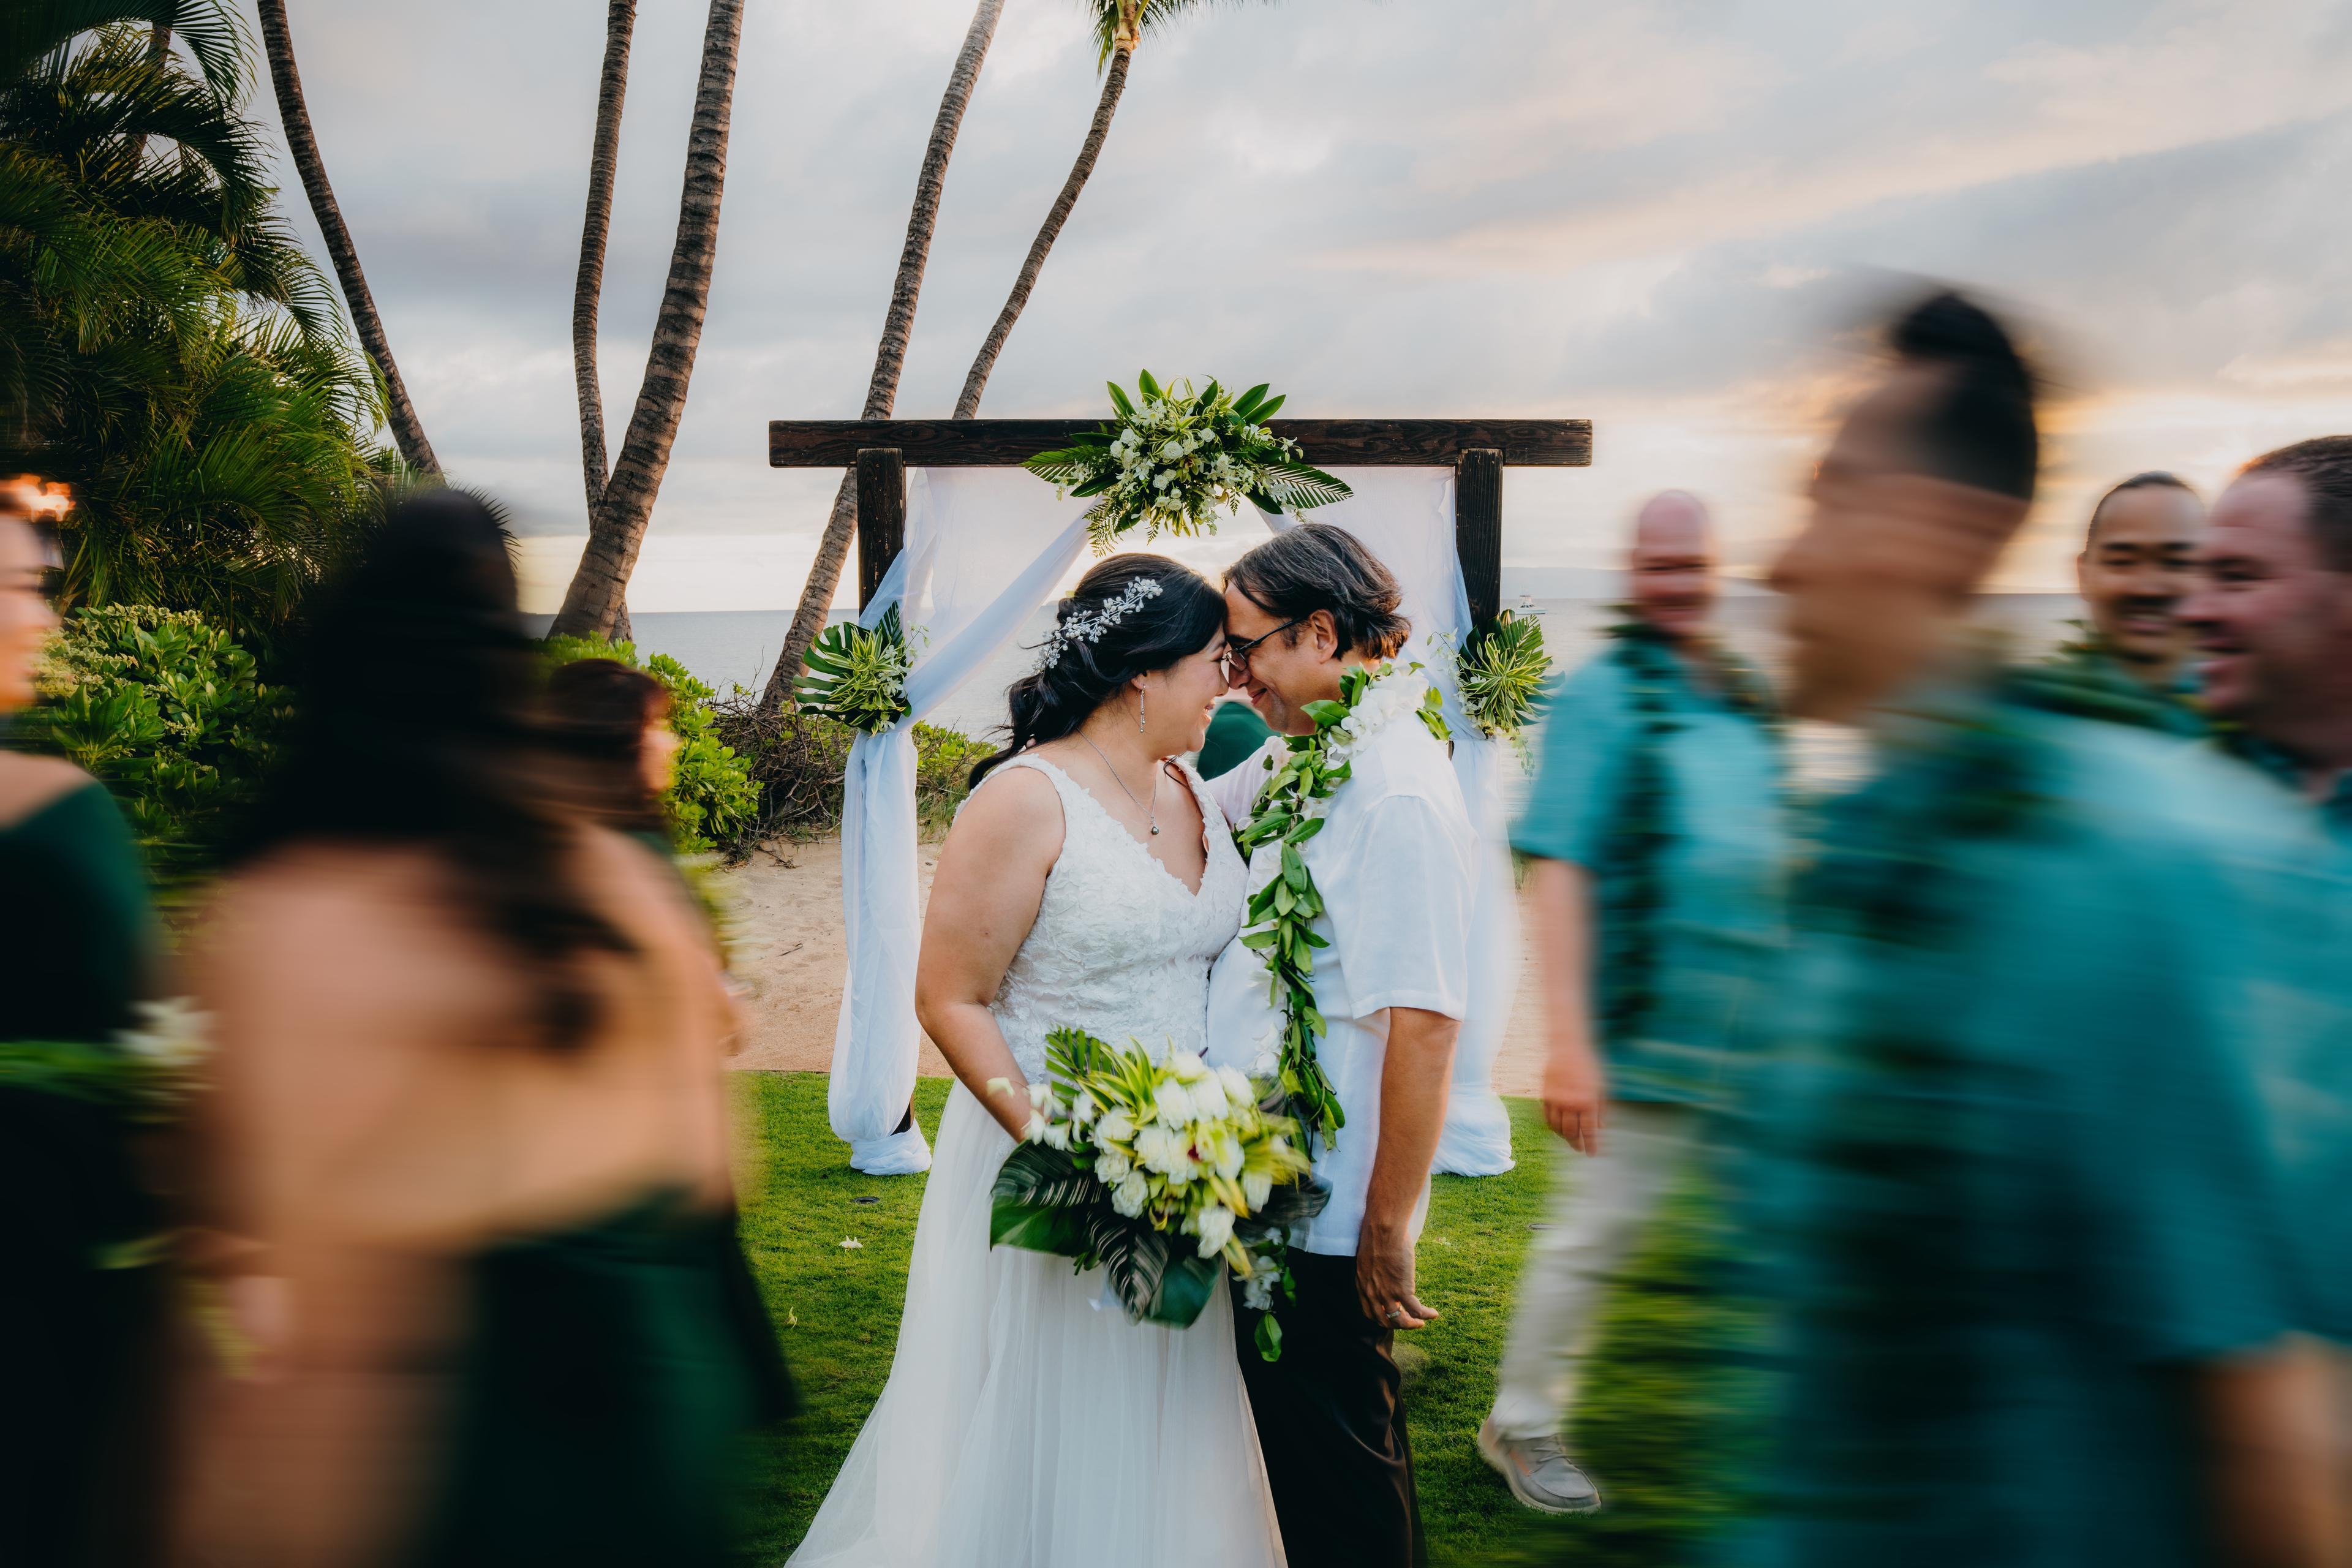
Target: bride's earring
[(1139, 710)]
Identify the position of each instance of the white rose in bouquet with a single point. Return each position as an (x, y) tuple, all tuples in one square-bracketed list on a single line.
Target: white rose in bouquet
[(1175, 1105), (1130, 1194), (1257, 1187), (1116, 1127), (1111, 1167), (1216, 1226), (1209, 1102)]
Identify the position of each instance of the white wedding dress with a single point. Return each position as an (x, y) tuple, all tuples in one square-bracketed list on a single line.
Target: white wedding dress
[(1024, 1425)]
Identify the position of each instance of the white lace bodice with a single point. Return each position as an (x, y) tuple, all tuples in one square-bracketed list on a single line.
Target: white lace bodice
[(1121, 948)]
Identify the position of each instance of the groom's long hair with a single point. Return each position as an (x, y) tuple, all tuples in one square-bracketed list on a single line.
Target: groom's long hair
[(1317, 567), (1183, 618)]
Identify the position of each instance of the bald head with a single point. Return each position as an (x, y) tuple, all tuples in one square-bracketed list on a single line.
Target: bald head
[(1670, 565)]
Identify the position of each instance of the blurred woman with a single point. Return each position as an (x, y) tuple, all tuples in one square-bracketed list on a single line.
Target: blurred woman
[(468, 1108), (613, 722), (79, 950)]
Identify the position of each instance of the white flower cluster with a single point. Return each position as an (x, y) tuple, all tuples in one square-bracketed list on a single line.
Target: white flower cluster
[(1394, 692), (1089, 626), (1179, 1145), (1173, 466)]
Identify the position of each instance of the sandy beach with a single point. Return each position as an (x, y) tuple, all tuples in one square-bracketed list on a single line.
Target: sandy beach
[(787, 951)]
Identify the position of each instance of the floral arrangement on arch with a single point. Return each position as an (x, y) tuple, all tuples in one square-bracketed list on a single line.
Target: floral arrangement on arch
[(856, 675), (1162, 1174), (1175, 458)]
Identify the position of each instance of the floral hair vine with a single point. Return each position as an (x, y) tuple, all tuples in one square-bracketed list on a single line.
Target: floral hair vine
[(1089, 626)]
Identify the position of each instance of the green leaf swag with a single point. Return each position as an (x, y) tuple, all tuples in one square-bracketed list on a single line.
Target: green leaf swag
[(2084, 679), (858, 675), (1635, 855), (1175, 458), (1279, 920), (1124, 1158), (1500, 670)]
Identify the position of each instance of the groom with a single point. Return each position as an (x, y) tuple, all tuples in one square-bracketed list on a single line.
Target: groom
[(1393, 863)]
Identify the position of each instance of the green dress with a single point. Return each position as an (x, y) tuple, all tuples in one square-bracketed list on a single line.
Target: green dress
[(79, 1339), (609, 1377), (610, 1373)]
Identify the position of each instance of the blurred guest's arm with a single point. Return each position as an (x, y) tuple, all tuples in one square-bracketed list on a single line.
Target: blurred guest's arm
[(1575, 1085), (984, 898), (2270, 1456)]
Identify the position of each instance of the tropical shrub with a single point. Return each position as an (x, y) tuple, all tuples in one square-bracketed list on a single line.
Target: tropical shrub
[(713, 801), (172, 714), (798, 759), (165, 347)]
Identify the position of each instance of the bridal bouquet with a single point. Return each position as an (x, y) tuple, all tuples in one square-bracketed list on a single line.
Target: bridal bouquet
[(857, 675), (1159, 1172), (1175, 458)]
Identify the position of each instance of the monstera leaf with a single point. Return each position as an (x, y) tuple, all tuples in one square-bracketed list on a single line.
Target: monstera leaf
[(1041, 1201), (1156, 1276)]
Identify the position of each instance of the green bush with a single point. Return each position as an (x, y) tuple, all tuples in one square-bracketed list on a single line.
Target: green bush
[(171, 714), (713, 801), (798, 760)]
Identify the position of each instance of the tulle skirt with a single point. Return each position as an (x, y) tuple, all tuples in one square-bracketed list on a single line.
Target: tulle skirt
[(1024, 1424)]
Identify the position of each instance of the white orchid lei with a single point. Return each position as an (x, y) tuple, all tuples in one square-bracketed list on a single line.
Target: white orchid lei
[(1122, 1155), (1279, 921), (1175, 458)]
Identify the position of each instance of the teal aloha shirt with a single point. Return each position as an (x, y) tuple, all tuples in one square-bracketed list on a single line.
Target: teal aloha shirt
[(1699, 931), (2015, 1169), (2086, 680)]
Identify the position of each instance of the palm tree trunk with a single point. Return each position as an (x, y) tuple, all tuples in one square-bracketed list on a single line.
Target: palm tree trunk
[(617, 527), (278, 44), (890, 354), (588, 285), (1114, 83)]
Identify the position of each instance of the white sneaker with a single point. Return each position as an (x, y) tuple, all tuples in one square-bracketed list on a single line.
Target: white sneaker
[(1540, 1471)]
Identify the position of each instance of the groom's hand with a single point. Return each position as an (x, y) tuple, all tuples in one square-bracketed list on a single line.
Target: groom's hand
[(1384, 1281)]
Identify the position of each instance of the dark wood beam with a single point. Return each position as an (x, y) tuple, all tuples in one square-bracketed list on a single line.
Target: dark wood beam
[(1479, 530), (881, 515), (1328, 443)]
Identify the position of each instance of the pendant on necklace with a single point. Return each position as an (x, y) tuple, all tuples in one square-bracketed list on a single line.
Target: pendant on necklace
[(1155, 830)]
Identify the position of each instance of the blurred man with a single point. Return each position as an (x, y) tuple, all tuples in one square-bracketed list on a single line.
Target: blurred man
[(2139, 562), (2272, 620), (2023, 1206), (1655, 825)]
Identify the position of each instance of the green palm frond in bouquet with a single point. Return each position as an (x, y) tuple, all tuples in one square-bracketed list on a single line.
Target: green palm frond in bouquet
[(1501, 669), (1160, 1173), (857, 675), (1173, 458)]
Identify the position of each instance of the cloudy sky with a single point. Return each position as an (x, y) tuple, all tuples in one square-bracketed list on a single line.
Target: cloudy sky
[(1660, 215)]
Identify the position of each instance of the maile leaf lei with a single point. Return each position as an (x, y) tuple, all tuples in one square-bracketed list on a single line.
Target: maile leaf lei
[(1279, 922)]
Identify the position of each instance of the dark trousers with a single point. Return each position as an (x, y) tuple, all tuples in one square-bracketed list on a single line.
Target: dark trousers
[(1331, 1420)]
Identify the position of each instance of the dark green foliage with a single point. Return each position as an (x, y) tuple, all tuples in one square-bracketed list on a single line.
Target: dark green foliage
[(712, 800), (165, 348), (797, 760), (172, 715)]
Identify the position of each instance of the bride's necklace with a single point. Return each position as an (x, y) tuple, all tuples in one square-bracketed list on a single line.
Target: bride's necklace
[(1151, 812)]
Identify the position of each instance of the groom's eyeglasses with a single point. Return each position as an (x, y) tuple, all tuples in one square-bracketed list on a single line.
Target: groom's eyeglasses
[(1236, 656)]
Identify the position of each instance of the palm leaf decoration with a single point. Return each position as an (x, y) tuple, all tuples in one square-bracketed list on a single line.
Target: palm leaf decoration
[(1298, 487), (1158, 1279), (1501, 671), (857, 675)]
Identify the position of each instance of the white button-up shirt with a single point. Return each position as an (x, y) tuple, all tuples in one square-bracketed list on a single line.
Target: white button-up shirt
[(1395, 863)]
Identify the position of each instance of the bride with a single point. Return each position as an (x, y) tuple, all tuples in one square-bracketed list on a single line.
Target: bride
[(1089, 880)]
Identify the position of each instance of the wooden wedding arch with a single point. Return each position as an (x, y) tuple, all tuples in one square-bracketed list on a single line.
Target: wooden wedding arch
[(1478, 450)]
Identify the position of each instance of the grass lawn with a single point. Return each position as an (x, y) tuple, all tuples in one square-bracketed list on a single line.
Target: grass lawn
[(1648, 1427)]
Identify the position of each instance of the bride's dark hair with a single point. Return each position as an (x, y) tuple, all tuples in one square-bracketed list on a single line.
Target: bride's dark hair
[(1179, 619)]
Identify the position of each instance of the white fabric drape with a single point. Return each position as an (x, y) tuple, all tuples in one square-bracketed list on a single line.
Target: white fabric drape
[(984, 548), (1405, 517)]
